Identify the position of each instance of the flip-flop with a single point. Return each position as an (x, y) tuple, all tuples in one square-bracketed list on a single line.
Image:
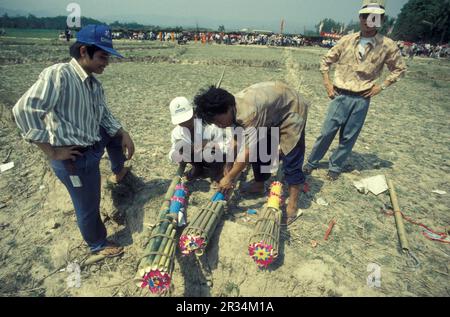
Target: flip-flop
[(290, 220)]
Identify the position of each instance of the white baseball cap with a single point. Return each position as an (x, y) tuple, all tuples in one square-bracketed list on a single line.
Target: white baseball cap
[(181, 110), (373, 7)]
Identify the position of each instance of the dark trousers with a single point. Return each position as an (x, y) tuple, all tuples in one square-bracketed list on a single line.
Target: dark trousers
[(292, 163), (86, 199)]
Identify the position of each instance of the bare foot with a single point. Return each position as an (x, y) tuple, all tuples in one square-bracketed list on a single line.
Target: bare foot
[(117, 178), (194, 173), (291, 210)]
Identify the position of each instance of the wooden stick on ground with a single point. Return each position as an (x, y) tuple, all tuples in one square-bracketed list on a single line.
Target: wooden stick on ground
[(398, 218)]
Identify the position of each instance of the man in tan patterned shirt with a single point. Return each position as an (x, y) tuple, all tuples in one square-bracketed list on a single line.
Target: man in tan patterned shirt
[(270, 114), (359, 60)]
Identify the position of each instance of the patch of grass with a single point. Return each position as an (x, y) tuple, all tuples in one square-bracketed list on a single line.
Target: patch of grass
[(32, 33)]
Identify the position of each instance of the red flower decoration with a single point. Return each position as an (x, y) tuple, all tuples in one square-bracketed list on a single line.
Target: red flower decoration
[(261, 253), (156, 281)]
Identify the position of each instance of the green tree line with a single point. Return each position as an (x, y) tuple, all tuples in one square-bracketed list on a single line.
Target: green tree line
[(60, 22), (33, 22), (424, 20)]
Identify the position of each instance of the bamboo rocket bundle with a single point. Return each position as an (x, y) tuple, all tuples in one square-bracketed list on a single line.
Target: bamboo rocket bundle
[(155, 268), (196, 235), (265, 241)]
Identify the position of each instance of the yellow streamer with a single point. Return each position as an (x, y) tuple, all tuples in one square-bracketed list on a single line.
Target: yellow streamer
[(275, 195)]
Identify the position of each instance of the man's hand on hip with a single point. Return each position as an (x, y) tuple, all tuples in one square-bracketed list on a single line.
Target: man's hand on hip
[(330, 90), (376, 89), (60, 153), (329, 86), (65, 153)]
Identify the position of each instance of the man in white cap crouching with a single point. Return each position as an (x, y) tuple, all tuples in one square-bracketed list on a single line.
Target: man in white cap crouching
[(201, 145)]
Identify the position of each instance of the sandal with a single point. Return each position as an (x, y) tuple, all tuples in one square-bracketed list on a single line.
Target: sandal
[(111, 250), (333, 176), (289, 220)]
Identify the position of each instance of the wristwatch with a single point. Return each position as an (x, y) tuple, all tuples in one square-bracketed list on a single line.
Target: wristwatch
[(383, 86)]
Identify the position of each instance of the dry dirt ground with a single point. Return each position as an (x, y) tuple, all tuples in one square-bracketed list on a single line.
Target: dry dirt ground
[(406, 137)]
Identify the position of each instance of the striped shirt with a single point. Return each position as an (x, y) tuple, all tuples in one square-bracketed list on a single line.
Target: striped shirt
[(64, 107)]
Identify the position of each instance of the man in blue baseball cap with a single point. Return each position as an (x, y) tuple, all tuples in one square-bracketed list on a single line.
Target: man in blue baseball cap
[(66, 115), (99, 36)]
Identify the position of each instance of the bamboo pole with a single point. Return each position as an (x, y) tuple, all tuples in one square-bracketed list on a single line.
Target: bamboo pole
[(398, 218), (168, 265), (153, 243), (267, 230), (167, 252), (196, 221), (278, 232), (208, 216), (171, 190), (162, 246), (219, 83), (156, 241), (213, 220)]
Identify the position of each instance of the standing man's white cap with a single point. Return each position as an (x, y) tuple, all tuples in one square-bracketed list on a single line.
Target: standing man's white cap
[(181, 110), (373, 7)]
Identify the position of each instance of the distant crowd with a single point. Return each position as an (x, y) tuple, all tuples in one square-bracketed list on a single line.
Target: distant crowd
[(270, 39), (411, 50), (221, 38), (408, 49)]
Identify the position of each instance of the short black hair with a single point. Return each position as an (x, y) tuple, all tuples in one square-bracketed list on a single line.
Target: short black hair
[(211, 102), (75, 50)]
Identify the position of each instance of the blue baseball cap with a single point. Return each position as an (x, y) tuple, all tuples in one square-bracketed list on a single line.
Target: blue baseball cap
[(98, 35)]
